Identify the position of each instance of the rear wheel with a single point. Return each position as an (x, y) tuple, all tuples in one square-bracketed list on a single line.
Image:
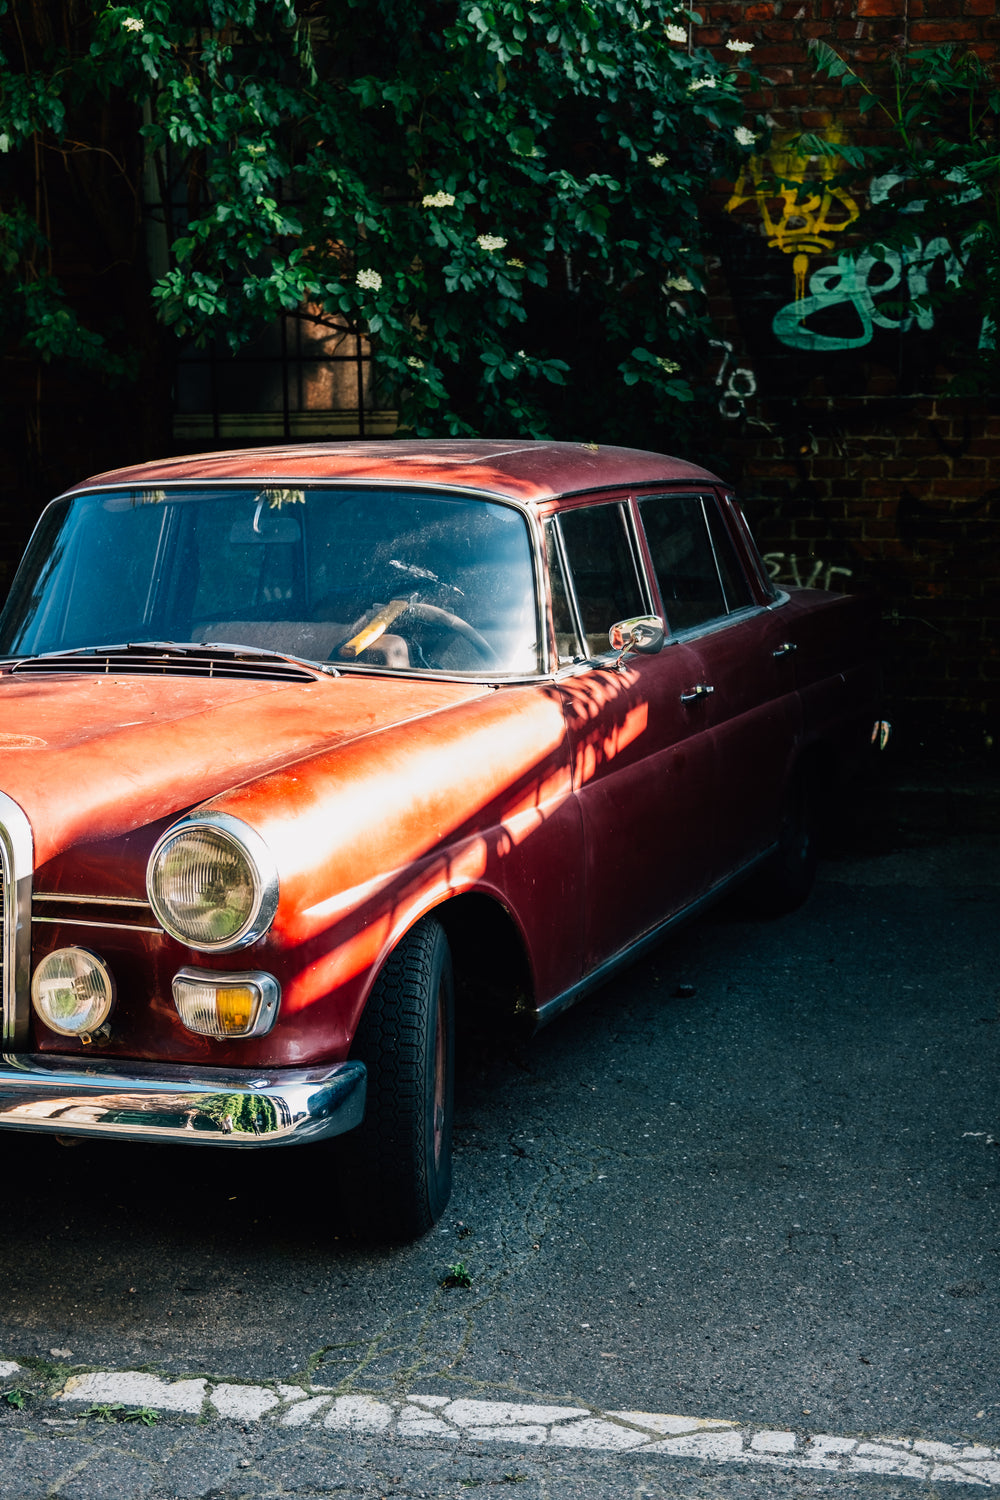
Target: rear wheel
[(396, 1167)]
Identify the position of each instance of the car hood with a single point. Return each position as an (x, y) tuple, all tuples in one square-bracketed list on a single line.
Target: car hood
[(94, 757)]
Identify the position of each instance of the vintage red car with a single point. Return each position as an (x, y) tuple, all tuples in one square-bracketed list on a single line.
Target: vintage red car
[(301, 747)]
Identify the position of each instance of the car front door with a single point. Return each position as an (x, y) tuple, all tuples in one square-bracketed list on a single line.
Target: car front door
[(643, 763)]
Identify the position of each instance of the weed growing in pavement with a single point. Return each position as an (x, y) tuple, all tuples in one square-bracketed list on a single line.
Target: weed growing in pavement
[(457, 1275), (117, 1411)]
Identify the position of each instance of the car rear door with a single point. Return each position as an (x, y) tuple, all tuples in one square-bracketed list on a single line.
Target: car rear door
[(745, 700)]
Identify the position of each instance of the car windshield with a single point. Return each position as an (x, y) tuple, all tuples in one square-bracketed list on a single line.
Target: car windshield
[(391, 579)]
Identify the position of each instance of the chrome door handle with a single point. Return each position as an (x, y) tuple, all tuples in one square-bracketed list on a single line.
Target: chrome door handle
[(701, 691), (785, 649)]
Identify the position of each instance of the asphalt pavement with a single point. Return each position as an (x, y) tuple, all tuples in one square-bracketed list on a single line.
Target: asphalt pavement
[(752, 1184)]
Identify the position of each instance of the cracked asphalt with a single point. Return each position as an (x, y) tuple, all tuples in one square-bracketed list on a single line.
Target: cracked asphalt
[(756, 1178)]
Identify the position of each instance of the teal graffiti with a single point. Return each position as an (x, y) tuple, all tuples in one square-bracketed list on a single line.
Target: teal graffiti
[(853, 283)]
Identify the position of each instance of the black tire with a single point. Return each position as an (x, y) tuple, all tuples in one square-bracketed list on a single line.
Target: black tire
[(395, 1168), (785, 879)]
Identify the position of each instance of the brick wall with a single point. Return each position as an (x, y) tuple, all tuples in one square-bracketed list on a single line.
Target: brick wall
[(859, 473)]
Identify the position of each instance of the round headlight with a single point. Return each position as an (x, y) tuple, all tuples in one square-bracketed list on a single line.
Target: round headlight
[(212, 883), (72, 991)]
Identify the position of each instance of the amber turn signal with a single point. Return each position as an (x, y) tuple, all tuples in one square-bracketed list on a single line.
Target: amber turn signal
[(226, 1005)]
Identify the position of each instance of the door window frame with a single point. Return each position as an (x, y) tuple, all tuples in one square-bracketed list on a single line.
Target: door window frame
[(636, 550), (714, 623)]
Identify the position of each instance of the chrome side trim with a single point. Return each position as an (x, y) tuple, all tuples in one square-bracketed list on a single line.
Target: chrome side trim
[(16, 861), (552, 1008), (71, 921), (58, 896), (186, 1106)]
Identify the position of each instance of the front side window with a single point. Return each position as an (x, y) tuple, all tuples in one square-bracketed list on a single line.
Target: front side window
[(603, 570), (396, 579)]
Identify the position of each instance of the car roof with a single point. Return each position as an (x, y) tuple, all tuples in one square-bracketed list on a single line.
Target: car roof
[(520, 469)]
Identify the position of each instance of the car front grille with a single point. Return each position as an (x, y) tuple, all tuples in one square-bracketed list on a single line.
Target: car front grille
[(4, 886), (16, 857)]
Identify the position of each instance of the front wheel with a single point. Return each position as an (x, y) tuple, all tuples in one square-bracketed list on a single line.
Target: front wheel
[(396, 1167)]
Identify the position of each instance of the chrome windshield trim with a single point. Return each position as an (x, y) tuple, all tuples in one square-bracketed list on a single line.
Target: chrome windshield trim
[(233, 1107), (17, 859), (699, 485)]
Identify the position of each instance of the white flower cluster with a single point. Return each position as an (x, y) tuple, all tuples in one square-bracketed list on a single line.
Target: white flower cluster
[(668, 366), (678, 284), (517, 263), (438, 200), (734, 46), (701, 83), (676, 33), (490, 242), (414, 363), (368, 281), (659, 160), (744, 137), (133, 23)]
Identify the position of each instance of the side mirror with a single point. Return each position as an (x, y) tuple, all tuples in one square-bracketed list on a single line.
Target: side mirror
[(643, 634)]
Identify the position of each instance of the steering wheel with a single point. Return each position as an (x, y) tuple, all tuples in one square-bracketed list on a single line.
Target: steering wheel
[(434, 615)]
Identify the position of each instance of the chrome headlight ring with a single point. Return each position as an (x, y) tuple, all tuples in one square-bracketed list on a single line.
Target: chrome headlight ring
[(236, 839)]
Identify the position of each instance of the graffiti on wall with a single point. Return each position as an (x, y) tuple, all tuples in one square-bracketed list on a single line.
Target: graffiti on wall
[(804, 572), (859, 292), (801, 216), (736, 388), (854, 282)]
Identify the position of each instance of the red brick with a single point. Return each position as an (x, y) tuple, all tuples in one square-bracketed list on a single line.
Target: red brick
[(947, 31), (779, 52), (953, 489)]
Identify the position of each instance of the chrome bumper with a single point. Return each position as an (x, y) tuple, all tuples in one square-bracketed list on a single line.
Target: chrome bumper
[(140, 1101)]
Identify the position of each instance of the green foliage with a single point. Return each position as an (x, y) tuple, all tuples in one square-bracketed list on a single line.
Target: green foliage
[(117, 1411), (457, 1275), (16, 1398), (933, 169), (495, 190), (241, 1114)]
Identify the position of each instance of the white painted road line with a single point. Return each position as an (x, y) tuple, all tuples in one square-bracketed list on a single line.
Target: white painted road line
[(710, 1440)]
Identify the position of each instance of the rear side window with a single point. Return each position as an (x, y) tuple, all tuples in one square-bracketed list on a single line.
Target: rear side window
[(696, 565), (602, 569), (734, 579)]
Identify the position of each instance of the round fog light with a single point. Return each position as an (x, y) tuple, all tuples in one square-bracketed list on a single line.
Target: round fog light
[(72, 991)]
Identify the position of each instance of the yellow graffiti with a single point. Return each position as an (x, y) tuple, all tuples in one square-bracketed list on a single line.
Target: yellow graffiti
[(800, 209)]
